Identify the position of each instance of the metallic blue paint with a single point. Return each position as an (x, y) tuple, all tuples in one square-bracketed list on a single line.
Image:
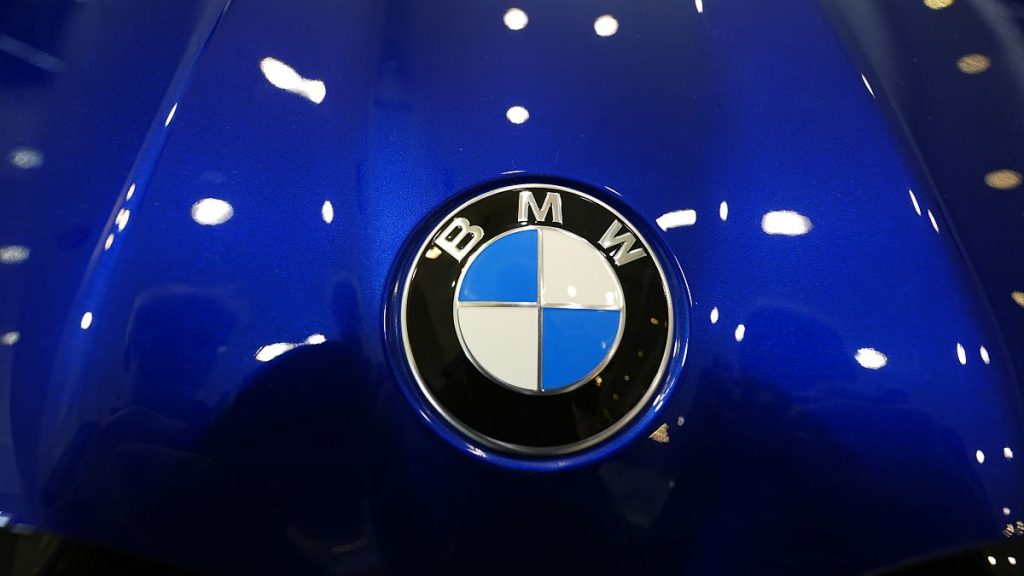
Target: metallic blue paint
[(229, 401)]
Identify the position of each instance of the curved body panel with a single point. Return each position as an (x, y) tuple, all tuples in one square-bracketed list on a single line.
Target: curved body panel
[(201, 372)]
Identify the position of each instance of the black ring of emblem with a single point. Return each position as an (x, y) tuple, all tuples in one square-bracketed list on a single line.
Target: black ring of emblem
[(513, 421)]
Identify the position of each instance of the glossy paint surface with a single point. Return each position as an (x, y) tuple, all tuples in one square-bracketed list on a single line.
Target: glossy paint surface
[(201, 228)]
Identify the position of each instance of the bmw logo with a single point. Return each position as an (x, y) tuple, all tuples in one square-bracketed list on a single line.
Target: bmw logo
[(537, 320)]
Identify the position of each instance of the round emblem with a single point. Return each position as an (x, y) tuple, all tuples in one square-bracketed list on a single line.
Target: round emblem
[(536, 319)]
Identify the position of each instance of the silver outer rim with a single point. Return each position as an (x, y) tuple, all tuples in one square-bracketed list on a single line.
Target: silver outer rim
[(534, 450)]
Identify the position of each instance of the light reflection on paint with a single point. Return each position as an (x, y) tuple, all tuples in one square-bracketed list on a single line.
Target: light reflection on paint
[(212, 211), (517, 114), (26, 158), (867, 85), (606, 26), (327, 211), (283, 76), (661, 434), (515, 19), (10, 338), (1018, 297), (983, 352), (961, 354), (741, 331), (170, 115), (271, 351), (14, 254), (677, 219), (870, 358), (935, 225), (723, 210), (973, 63), (913, 199), (1003, 179), (122, 219), (86, 321), (1007, 453), (714, 315), (980, 457), (785, 223)]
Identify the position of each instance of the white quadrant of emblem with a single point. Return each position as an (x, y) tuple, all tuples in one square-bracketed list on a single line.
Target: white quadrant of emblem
[(539, 309)]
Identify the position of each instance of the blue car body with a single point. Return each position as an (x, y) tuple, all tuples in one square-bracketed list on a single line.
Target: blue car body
[(207, 207)]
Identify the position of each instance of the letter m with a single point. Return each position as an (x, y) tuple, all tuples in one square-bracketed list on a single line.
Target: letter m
[(552, 203)]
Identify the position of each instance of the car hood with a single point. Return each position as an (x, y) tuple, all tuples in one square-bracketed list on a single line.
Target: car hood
[(204, 205)]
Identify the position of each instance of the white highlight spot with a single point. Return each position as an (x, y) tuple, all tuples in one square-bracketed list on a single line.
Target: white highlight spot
[(122, 219), (935, 224), (86, 321), (786, 223), (327, 211), (109, 242), (170, 115), (870, 358), (680, 421), (283, 76), (723, 210), (26, 158), (606, 26), (14, 254), (1008, 453), (515, 19), (700, 6), (517, 114), (867, 85), (741, 331), (677, 219), (212, 211), (980, 457), (433, 253), (271, 351), (961, 354), (983, 352), (10, 338), (913, 200), (1006, 511), (131, 192), (992, 560), (571, 291), (714, 315), (1011, 560)]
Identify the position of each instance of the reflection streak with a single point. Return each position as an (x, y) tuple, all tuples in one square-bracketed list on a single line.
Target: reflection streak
[(283, 76)]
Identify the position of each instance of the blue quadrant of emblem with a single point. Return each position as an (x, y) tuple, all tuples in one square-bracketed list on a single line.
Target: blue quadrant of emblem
[(575, 341), (505, 271)]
